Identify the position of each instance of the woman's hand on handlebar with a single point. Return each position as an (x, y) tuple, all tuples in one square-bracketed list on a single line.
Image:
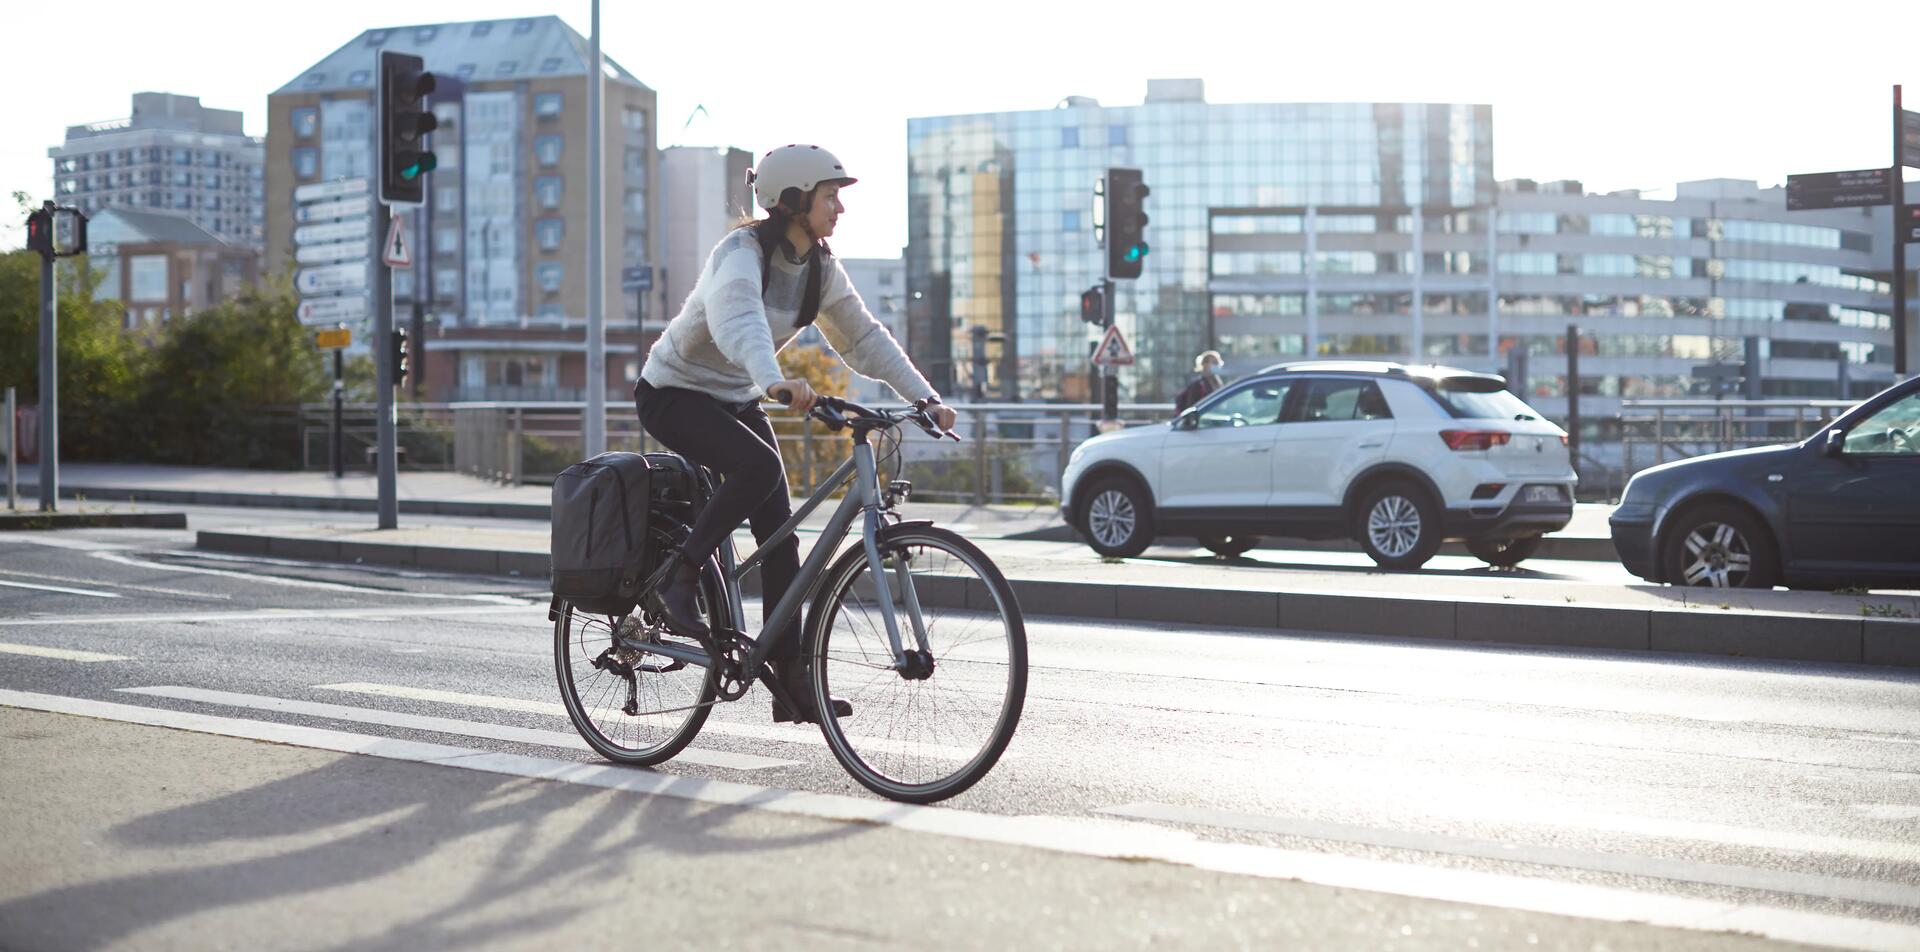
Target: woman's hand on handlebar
[(796, 393), (943, 415)]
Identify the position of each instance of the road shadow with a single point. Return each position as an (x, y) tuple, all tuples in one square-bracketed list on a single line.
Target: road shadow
[(390, 817)]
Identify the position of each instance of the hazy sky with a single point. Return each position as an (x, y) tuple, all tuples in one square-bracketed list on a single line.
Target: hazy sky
[(1617, 94)]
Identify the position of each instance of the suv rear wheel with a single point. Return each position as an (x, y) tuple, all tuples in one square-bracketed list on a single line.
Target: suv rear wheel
[(1118, 518), (1398, 525)]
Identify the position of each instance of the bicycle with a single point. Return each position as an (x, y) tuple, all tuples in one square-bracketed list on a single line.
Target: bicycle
[(913, 624)]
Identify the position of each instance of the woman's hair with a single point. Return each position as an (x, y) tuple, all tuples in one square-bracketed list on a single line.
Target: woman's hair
[(771, 231), (1200, 362)]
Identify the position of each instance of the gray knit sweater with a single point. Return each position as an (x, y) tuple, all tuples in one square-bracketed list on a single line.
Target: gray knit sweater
[(723, 341)]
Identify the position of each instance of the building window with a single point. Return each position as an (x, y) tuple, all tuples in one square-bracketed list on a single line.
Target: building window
[(306, 163), (376, 37), (465, 70), (547, 190), (523, 27), (634, 119), (637, 205), (314, 80), (446, 284), (547, 150), (1070, 138), (507, 68), (147, 278), (1070, 220), (358, 77), (1116, 135), (482, 29), (550, 312), (547, 105), (549, 274), (548, 232), (446, 198), (550, 65)]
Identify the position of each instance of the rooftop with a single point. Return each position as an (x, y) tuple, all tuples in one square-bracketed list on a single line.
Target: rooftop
[(475, 51)]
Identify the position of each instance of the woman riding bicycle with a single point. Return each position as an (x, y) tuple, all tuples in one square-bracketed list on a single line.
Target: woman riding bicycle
[(700, 391)]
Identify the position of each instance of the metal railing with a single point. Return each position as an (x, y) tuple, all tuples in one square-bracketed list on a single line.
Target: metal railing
[(1012, 452), (1678, 429)]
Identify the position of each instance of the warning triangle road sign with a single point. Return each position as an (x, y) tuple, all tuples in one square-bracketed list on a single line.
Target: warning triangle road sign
[(1113, 350), (399, 253)]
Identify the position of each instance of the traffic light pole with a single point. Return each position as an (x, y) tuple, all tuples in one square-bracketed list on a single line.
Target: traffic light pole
[(1109, 377), (1899, 249), (339, 412), (385, 440), (49, 382)]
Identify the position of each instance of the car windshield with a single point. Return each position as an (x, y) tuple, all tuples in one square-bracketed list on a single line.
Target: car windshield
[(1480, 404)]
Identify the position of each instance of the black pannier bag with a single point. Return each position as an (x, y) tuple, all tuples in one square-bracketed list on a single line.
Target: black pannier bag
[(613, 516)]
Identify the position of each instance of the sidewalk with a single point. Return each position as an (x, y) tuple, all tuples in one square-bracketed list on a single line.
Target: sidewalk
[(457, 494), (244, 834)]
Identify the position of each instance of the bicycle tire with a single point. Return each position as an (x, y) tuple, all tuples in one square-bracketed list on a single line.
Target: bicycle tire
[(673, 731), (889, 746)]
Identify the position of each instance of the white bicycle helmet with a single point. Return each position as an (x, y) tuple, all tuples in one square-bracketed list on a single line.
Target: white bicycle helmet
[(794, 166)]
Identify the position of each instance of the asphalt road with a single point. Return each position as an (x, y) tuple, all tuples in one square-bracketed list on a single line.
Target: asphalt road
[(1784, 786)]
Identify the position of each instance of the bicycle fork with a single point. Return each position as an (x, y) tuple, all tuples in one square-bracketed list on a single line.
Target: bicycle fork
[(915, 663)]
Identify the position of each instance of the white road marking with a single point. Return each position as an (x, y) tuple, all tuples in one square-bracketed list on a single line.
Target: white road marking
[(273, 614), (1800, 884), (119, 559), (1133, 842), (442, 725), (58, 588), (64, 654), (126, 585), (789, 734)]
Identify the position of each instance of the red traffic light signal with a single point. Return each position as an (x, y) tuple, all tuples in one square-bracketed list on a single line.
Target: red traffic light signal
[(1093, 305)]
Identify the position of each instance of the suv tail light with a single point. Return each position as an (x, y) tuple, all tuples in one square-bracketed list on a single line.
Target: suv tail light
[(1461, 440)]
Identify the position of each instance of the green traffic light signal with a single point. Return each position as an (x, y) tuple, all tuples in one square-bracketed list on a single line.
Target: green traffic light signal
[(1137, 252), (419, 166)]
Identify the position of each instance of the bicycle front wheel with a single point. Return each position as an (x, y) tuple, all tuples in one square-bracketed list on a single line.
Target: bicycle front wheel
[(920, 736), (630, 705)]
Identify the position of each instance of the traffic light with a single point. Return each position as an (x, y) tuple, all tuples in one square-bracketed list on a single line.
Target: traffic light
[(1126, 223), (399, 355), (1093, 305), (404, 120), (40, 232)]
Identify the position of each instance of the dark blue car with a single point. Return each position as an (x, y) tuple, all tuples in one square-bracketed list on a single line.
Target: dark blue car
[(1840, 509)]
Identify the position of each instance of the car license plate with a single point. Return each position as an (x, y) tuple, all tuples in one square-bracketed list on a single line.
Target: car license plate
[(1543, 494)]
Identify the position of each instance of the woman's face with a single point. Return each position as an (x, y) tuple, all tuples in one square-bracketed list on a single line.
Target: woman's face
[(826, 210)]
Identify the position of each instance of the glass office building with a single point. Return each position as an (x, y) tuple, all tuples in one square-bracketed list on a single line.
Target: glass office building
[(1372, 231), (1267, 221)]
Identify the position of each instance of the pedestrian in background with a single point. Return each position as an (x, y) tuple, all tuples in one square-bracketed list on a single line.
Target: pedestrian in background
[(1207, 366)]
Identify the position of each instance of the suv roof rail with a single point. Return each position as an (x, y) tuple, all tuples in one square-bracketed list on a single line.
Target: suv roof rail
[(1339, 366)]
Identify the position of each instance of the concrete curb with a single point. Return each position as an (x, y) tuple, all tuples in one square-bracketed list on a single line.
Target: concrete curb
[(1776, 636), (1571, 548), (92, 520)]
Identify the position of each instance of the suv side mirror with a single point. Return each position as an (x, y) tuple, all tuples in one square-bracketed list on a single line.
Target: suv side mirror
[(1836, 441), (1187, 420)]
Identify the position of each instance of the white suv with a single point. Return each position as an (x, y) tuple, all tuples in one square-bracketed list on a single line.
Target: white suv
[(1397, 458)]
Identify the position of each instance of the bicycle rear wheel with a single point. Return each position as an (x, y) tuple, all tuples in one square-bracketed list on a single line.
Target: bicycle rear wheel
[(920, 740), (638, 721)]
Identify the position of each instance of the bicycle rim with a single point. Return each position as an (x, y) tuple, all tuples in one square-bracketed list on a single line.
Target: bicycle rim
[(921, 740), (672, 702)]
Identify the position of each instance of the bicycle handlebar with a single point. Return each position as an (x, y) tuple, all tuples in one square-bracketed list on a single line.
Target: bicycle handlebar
[(834, 412)]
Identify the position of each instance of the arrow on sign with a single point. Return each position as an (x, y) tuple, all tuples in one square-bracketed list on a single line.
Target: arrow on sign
[(399, 253)]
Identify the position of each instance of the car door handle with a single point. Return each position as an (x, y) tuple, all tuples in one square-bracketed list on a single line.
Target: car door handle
[(1260, 449), (1371, 446)]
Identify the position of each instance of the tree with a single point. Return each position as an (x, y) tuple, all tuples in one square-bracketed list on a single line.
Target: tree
[(99, 365), (823, 371), (216, 370)]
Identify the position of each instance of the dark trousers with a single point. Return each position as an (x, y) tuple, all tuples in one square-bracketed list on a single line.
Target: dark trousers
[(736, 441)]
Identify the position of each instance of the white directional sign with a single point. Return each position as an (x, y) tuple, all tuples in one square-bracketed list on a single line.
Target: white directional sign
[(330, 311), (333, 277), (339, 231), (320, 191), (327, 254), (327, 211)]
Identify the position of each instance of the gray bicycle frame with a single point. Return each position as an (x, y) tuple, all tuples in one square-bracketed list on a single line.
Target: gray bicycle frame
[(862, 501)]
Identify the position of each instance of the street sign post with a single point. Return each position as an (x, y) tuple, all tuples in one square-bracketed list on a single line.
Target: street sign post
[(1860, 188)]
